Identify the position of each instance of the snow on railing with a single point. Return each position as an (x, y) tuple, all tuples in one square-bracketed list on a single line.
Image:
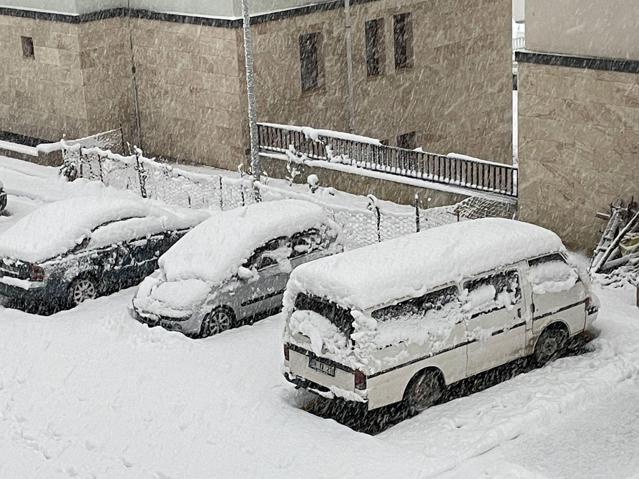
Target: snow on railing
[(368, 154)]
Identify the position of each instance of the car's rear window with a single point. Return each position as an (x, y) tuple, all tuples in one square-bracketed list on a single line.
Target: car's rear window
[(339, 316)]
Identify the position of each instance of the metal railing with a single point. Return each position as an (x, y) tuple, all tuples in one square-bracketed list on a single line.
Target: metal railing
[(519, 43), (370, 155)]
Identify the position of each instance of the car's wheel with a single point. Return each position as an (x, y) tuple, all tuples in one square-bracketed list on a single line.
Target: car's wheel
[(550, 345), (423, 391), (81, 290), (217, 321)]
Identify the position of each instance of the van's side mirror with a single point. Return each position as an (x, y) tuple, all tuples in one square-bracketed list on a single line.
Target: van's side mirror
[(245, 274)]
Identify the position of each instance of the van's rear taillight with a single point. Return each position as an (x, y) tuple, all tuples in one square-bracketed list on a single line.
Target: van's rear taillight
[(36, 273), (286, 352), (360, 380)]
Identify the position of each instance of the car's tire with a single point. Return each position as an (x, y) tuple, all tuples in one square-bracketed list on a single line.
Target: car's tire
[(423, 391), (550, 345), (217, 321), (80, 290)]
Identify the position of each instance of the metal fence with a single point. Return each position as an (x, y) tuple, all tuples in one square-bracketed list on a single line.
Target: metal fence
[(370, 155), (369, 221)]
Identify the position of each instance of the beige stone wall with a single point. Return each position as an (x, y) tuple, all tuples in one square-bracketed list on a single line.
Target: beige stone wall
[(43, 96), (457, 96), (578, 147), (606, 28), (191, 106)]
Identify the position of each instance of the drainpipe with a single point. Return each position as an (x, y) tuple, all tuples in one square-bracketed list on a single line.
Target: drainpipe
[(250, 92), (134, 83), (349, 66)]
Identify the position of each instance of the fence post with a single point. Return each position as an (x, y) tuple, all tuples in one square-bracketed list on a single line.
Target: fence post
[(417, 212), (141, 173), (372, 206), (221, 195)]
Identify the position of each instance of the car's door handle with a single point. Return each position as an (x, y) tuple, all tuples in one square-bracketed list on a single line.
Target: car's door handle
[(519, 313)]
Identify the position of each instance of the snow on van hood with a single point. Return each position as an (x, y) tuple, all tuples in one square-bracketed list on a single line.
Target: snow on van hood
[(213, 251), (55, 228), (411, 265)]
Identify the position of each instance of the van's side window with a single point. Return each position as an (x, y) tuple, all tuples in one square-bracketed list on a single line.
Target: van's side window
[(492, 293), (552, 274), (419, 307), (547, 259)]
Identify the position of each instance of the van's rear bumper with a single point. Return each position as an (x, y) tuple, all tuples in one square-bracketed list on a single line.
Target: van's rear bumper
[(340, 383)]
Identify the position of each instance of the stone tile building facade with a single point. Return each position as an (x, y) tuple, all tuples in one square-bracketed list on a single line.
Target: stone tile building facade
[(578, 114), (436, 75)]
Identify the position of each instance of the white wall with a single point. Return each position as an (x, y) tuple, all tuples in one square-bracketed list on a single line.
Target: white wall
[(213, 8), (519, 10), (604, 28)]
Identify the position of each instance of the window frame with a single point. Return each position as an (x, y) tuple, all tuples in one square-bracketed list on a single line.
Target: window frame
[(314, 41), (403, 41), (375, 47), (28, 47)]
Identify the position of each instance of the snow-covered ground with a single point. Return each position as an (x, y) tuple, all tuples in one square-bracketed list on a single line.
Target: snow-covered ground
[(92, 393)]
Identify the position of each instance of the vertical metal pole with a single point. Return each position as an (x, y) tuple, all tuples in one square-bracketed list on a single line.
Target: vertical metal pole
[(136, 101), (250, 91), (349, 66)]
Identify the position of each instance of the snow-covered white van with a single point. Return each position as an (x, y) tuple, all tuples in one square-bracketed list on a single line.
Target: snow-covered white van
[(401, 320)]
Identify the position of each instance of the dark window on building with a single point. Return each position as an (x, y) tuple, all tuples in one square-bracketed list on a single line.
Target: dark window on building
[(403, 35), (310, 60), (27, 47), (407, 140), (374, 30)]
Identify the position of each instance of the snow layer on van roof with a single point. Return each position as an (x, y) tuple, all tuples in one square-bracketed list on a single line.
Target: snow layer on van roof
[(214, 250), (57, 227), (411, 265)]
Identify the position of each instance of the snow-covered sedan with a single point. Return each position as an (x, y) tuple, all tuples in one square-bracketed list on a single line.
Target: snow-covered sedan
[(66, 252), (233, 268)]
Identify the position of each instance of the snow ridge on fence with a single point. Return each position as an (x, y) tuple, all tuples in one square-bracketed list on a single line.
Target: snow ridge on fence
[(152, 179)]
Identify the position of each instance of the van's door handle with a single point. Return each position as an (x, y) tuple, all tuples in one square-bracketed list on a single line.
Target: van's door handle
[(519, 313)]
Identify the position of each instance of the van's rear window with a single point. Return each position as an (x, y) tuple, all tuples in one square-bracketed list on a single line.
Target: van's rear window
[(340, 317)]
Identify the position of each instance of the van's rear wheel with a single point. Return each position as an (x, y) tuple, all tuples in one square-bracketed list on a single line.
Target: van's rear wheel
[(550, 345), (216, 322), (424, 391)]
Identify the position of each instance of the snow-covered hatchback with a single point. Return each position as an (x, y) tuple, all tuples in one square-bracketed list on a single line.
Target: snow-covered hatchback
[(233, 268), (401, 320), (68, 251)]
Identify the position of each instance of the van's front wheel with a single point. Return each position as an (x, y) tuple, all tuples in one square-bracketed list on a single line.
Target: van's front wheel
[(549, 345), (424, 391)]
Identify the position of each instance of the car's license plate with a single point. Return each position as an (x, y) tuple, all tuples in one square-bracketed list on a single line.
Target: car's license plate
[(322, 367)]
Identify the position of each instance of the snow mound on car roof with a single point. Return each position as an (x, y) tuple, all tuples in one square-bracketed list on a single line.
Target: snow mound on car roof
[(55, 228), (412, 265), (214, 250)]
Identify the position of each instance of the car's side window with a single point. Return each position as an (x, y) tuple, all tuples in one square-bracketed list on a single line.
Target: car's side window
[(270, 254), (306, 242), (491, 293), (419, 307)]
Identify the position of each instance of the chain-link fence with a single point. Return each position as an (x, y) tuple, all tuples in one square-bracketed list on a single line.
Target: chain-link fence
[(363, 224)]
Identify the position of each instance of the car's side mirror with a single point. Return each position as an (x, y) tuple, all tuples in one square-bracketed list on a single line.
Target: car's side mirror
[(246, 274)]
